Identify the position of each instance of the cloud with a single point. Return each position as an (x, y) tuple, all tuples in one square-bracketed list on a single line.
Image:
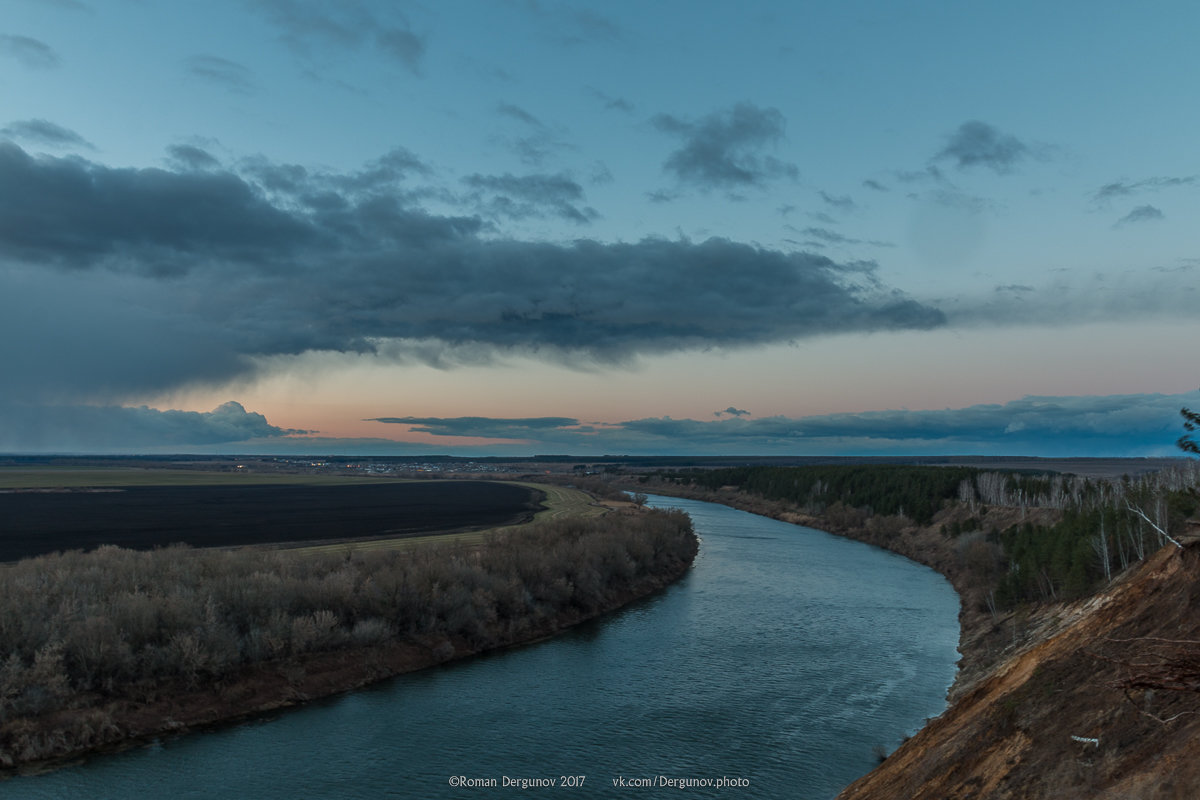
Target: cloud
[(531, 195), (109, 429), (723, 149), (47, 133), (610, 102), (1125, 188), (1109, 425), (215, 270), (227, 74), (190, 157), (72, 212), (537, 146), (403, 45), (1097, 297), (33, 53), (483, 427), (875, 186), (826, 236), (1115, 425), (842, 203), (311, 25), (519, 114), (735, 412), (572, 27), (980, 144), (1140, 214)]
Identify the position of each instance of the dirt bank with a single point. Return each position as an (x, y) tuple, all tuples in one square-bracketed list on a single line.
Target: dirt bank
[(1106, 706)]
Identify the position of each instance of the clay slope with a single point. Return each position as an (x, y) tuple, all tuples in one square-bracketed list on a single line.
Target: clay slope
[(1109, 707)]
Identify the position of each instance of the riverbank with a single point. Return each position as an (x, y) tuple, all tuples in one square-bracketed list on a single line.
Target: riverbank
[(564, 573)]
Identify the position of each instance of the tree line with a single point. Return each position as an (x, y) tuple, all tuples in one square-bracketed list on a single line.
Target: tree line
[(79, 627)]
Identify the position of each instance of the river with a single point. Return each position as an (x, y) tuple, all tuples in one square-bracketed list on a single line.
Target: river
[(782, 663)]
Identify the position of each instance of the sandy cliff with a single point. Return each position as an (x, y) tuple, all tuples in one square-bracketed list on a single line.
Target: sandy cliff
[(1108, 706)]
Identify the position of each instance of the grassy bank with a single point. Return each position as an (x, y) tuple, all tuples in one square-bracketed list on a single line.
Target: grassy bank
[(113, 645)]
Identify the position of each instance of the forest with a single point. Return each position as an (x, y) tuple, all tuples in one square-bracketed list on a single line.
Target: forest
[(1089, 530)]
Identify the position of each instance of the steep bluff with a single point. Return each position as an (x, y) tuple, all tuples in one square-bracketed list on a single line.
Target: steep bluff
[(1106, 706)]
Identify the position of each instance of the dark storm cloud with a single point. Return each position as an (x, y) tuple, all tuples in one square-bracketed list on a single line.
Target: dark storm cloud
[(71, 212), (221, 71), (46, 133), (723, 149), (33, 53), (980, 144), (309, 25), (517, 197), (144, 279), (78, 428), (1125, 188), (1140, 214), (100, 336)]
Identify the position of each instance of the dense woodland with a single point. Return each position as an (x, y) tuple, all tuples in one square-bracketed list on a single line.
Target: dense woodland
[(80, 627), (1097, 528)]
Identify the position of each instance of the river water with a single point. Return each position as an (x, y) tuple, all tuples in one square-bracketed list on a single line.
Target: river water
[(782, 662)]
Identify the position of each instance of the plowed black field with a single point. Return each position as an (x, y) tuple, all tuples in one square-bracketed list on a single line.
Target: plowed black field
[(144, 517)]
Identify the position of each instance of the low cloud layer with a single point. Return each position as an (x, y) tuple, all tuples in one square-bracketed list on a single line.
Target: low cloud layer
[(1115, 425), (211, 268), (89, 429)]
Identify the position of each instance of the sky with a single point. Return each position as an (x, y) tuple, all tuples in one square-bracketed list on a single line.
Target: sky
[(517, 227)]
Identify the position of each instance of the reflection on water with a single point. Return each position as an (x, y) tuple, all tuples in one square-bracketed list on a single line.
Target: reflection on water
[(783, 659)]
